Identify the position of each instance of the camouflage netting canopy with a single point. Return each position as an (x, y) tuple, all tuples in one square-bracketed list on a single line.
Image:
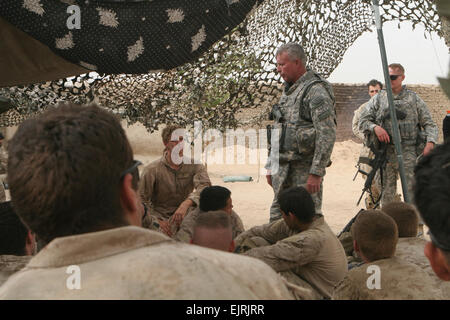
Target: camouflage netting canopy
[(236, 72)]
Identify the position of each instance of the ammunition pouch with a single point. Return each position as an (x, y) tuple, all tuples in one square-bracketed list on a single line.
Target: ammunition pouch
[(306, 140)]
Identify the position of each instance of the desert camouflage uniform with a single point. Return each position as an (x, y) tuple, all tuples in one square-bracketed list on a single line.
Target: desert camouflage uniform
[(187, 226), (139, 264), (314, 256), (367, 153), (417, 122), (310, 122), (411, 249), (10, 264), (399, 280), (163, 189)]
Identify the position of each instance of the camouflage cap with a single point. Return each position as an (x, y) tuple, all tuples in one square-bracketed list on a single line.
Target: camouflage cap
[(443, 8)]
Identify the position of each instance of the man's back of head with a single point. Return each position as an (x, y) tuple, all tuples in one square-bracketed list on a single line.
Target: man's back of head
[(298, 202), (65, 171), (405, 216), (432, 198), (213, 230), (215, 198), (375, 235)]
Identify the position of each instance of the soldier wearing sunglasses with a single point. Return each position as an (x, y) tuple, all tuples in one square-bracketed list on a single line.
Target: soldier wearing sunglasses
[(416, 128)]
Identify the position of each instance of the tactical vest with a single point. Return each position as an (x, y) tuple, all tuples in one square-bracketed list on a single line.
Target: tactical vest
[(409, 128), (299, 134)]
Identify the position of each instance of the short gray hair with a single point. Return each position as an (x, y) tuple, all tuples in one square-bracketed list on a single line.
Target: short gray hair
[(294, 50)]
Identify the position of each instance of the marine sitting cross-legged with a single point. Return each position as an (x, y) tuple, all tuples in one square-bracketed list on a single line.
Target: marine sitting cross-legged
[(410, 247), (383, 276), (211, 199), (301, 246), (170, 189)]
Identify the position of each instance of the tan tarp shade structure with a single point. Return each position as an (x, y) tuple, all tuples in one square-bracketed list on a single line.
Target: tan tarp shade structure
[(114, 37), (220, 78), (24, 60)]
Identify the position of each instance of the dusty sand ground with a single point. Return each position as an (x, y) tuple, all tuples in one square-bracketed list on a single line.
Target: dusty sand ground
[(252, 200)]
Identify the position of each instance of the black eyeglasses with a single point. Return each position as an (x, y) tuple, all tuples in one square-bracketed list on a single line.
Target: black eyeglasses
[(133, 170), (394, 76)]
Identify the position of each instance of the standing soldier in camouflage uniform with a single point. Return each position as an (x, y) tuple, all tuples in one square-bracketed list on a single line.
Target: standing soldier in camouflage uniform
[(374, 86), (307, 119), (416, 127)]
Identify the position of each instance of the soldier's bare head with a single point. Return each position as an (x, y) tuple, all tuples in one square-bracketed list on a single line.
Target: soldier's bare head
[(297, 207), (375, 235), (216, 198), (432, 198), (213, 230), (396, 75), (172, 135), (167, 133), (291, 61), (67, 172), (374, 86), (405, 216)]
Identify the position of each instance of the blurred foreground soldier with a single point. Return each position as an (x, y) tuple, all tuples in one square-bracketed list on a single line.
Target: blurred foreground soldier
[(74, 182), (410, 247), (432, 197), (211, 199), (17, 243), (301, 246), (213, 230), (306, 120), (169, 189), (418, 132), (383, 276), (373, 87)]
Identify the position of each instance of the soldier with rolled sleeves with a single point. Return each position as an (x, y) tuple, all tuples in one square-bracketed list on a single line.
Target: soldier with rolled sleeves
[(416, 127), (306, 118)]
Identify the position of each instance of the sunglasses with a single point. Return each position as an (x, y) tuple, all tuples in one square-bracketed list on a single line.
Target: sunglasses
[(372, 91), (394, 76), (133, 170)]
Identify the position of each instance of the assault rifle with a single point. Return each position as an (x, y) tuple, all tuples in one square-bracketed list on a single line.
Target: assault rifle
[(348, 226), (379, 150), (377, 163)]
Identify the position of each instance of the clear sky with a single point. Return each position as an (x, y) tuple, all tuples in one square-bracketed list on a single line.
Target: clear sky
[(424, 59)]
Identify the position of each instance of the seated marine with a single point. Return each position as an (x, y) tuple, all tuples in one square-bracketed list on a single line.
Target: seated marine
[(211, 199), (169, 187), (301, 246), (383, 275)]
